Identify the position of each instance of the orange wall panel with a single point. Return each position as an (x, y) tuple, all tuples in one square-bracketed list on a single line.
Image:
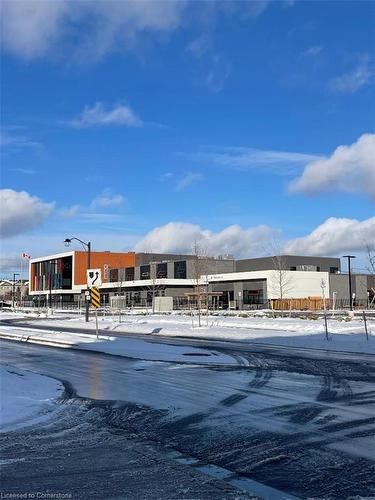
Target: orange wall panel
[(97, 261)]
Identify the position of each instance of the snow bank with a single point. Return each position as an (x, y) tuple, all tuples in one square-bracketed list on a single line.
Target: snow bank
[(127, 347), (147, 323), (25, 397), (344, 335)]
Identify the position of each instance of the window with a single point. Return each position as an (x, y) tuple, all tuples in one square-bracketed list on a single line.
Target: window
[(129, 274), (162, 270), (253, 296), (113, 275), (145, 272), (307, 268), (180, 269), (56, 273), (65, 270)]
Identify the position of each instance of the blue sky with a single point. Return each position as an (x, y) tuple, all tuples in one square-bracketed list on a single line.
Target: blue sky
[(151, 125)]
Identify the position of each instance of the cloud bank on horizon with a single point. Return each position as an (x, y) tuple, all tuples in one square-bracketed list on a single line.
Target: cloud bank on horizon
[(22, 213), (332, 237)]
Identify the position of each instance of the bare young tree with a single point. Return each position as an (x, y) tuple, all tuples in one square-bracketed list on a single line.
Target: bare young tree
[(281, 280), (199, 271), (370, 252), (155, 287), (121, 279)]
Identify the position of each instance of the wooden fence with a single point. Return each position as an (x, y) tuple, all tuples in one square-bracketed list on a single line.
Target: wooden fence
[(309, 303)]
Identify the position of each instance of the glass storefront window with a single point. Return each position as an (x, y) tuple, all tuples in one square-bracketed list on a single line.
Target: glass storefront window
[(180, 269), (129, 274), (162, 270), (253, 297), (145, 272)]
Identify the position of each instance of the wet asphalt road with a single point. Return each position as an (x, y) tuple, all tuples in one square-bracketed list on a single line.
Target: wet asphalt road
[(300, 424)]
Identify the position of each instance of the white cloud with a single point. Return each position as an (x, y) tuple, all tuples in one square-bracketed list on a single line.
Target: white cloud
[(188, 179), (33, 28), (214, 66), (244, 10), (334, 236), (25, 171), (200, 45), (313, 51), (354, 80), (219, 72), (242, 159), (70, 211), (11, 138), (349, 168), (166, 176), (179, 237), (98, 115), (21, 212), (108, 200)]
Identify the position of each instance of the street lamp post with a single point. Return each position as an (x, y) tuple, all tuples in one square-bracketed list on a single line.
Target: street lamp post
[(87, 247), (14, 288), (349, 257)]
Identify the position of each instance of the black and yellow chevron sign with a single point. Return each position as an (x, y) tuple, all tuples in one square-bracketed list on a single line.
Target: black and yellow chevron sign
[(95, 297)]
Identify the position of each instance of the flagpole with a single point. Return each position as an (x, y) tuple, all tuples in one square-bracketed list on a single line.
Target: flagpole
[(21, 280)]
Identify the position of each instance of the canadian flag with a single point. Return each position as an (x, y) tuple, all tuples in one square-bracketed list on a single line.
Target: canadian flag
[(25, 255)]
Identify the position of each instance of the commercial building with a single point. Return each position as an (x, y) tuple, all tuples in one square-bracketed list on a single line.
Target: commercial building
[(136, 278)]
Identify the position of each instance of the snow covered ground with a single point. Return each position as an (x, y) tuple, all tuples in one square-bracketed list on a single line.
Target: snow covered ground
[(345, 334), (25, 397)]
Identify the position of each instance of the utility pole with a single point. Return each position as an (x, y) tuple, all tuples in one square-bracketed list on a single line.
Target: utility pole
[(349, 257)]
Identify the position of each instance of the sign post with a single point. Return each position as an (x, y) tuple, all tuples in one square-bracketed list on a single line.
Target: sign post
[(95, 302), (96, 324)]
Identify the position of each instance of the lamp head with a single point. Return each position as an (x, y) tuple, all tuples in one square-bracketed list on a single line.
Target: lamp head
[(67, 242)]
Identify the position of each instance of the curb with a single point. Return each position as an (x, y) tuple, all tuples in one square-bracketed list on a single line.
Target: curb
[(36, 340)]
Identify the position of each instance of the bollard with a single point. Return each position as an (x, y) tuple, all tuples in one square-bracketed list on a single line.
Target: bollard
[(365, 323), (326, 324)]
